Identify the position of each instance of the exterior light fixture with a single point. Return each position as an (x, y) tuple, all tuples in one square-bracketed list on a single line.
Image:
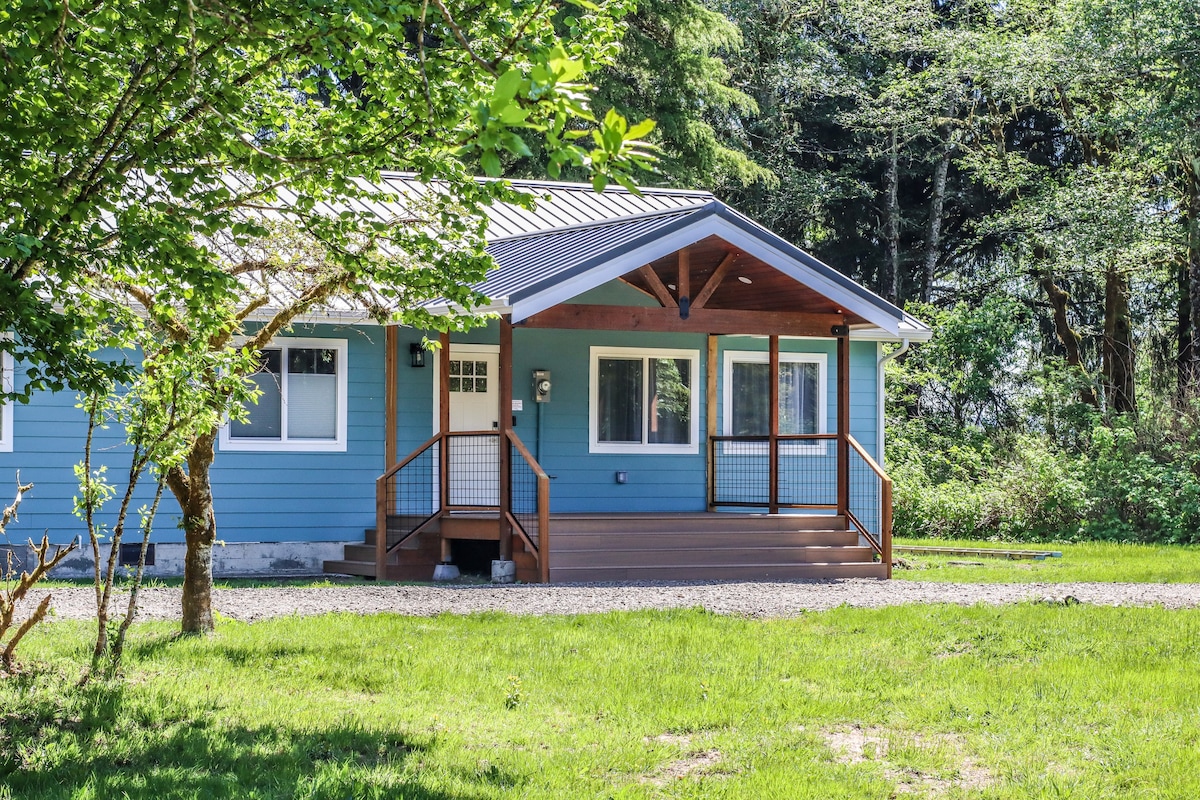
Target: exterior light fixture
[(417, 353), (744, 279)]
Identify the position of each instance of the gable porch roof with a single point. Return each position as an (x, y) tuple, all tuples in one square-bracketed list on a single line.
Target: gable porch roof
[(538, 270)]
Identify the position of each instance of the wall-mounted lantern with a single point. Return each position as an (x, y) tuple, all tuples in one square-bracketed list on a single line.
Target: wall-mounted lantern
[(417, 352)]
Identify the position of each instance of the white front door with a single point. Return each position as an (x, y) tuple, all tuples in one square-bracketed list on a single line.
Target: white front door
[(474, 398)]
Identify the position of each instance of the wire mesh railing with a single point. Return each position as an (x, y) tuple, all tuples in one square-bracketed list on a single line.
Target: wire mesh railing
[(804, 474), (473, 471), (869, 501), (801, 471), (407, 497), (529, 502)]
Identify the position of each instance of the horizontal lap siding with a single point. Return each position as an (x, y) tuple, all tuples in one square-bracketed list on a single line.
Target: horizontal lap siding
[(297, 496), (259, 496), (584, 481)]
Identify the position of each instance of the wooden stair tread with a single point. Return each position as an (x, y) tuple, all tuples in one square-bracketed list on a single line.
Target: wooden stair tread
[(752, 572)]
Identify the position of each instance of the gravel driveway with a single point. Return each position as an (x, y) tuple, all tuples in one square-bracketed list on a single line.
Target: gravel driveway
[(745, 599)]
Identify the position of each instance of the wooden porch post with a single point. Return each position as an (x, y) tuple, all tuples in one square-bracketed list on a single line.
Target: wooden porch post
[(773, 441), (505, 425), (444, 416), (391, 376), (843, 419), (711, 414), (444, 429)]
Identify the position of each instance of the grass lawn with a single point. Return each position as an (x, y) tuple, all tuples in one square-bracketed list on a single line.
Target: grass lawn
[(1016, 702), (1085, 561)]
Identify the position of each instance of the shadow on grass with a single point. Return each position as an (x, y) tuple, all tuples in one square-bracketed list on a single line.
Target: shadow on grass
[(94, 742)]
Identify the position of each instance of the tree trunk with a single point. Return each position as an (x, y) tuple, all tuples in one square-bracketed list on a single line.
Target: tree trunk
[(1189, 348), (1118, 343), (937, 205), (1185, 377), (1069, 338), (891, 278), (193, 490)]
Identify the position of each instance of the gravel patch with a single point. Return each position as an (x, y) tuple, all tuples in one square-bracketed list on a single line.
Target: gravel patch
[(748, 599)]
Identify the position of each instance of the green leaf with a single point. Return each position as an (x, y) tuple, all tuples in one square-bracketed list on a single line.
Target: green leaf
[(641, 129), (490, 163), (506, 89)]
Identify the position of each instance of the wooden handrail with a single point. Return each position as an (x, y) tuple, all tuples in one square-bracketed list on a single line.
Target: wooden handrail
[(524, 451), (402, 464)]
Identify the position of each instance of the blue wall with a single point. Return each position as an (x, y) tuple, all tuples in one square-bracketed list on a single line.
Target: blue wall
[(259, 496)]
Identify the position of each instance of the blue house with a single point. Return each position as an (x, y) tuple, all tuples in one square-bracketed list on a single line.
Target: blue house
[(663, 389)]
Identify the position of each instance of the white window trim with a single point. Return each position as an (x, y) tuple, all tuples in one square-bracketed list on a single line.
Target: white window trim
[(6, 385), (338, 445), (594, 443), (763, 357)]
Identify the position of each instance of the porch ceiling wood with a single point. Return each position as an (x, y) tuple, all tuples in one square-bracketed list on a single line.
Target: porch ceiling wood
[(769, 290)]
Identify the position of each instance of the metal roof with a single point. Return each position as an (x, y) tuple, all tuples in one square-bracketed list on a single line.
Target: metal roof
[(525, 262), (556, 205)]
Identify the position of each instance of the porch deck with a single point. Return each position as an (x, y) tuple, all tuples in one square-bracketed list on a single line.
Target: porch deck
[(718, 546)]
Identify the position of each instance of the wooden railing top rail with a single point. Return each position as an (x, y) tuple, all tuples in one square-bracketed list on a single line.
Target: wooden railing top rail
[(766, 438), (474, 433), (408, 459), (524, 451), (878, 470)]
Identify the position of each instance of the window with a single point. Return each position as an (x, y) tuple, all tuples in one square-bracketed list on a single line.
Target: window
[(802, 393), (468, 376), (6, 410), (302, 405), (643, 401)]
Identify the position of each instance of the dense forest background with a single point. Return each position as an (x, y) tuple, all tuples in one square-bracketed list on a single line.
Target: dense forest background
[(1025, 177)]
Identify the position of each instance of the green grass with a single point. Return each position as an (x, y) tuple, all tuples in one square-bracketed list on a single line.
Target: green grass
[(1106, 562), (1024, 701)]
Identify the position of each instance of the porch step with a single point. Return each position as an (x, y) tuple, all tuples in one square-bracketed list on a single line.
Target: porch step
[(365, 569), (741, 572), (731, 558), (693, 522), (734, 539)]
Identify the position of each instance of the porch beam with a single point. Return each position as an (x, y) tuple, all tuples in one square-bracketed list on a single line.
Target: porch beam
[(843, 422), (773, 431), (504, 419), (657, 287), (571, 316), (714, 281)]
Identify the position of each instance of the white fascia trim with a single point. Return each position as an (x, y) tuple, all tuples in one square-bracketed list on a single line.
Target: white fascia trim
[(872, 334), (690, 234), (338, 445), (6, 409), (596, 352)]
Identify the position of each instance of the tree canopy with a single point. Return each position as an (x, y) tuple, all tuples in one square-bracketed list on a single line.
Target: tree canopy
[(181, 181)]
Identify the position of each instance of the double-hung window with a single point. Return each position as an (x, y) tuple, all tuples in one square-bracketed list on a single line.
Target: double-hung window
[(802, 394), (6, 407), (643, 401), (302, 399)]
